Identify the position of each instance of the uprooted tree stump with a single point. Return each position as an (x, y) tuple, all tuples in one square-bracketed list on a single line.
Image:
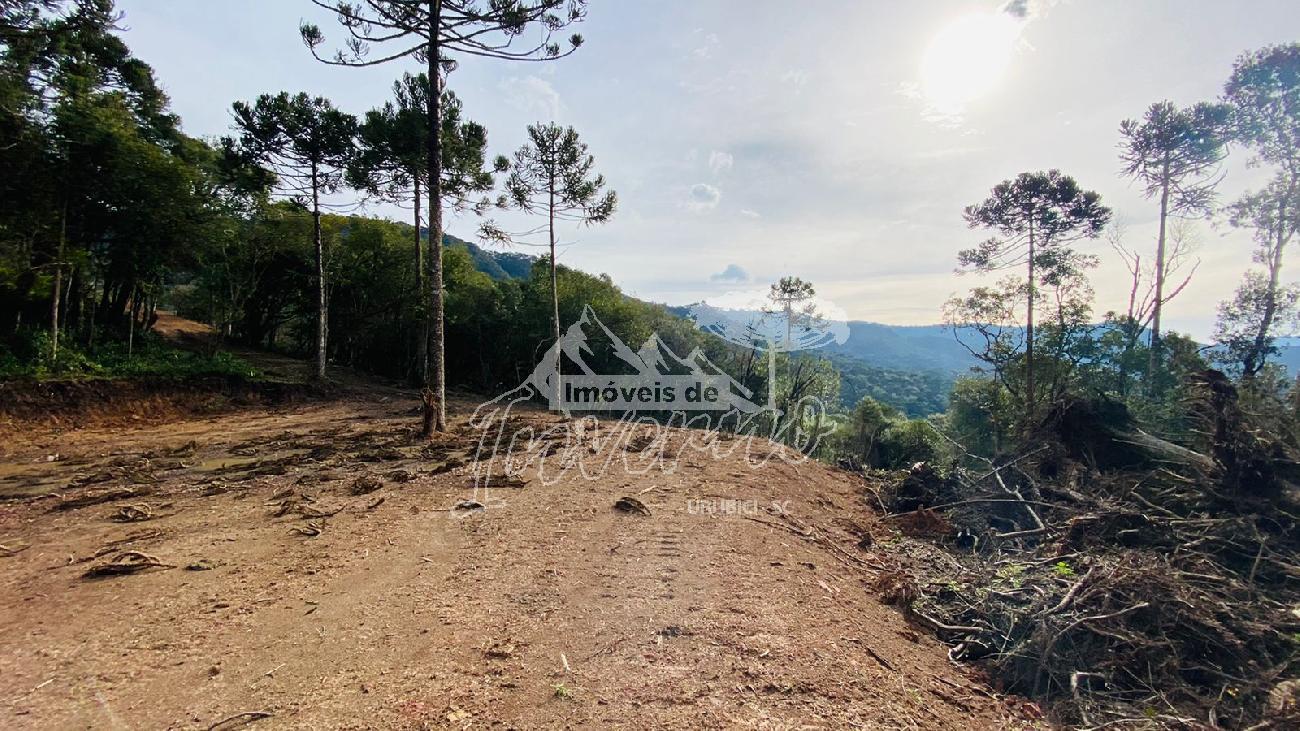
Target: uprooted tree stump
[(1100, 433)]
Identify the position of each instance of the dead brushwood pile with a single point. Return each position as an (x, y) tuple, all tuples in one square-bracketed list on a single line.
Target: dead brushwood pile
[(1121, 578)]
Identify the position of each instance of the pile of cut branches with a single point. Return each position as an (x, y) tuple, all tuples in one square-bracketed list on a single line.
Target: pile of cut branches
[(1122, 579)]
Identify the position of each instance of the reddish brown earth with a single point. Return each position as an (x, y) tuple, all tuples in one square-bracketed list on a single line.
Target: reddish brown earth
[(547, 610)]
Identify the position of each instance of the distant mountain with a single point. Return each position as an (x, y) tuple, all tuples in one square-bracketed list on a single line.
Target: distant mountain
[(908, 348), (495, 264), (896, 347), (911, 368), (933, 347)]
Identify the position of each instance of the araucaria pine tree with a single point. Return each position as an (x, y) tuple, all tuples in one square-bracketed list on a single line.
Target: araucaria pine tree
[(391, 165), (307, 143), (552, 175), (1033, 217), (1264, 93), (1175, 154), (436, 33)]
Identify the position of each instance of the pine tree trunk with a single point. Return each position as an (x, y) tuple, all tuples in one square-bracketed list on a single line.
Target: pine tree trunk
[(73, 301), (322, 314), (1029, 335), (90, 315), (1153, 352), (58, 286), (555, 294), (421, 298), (1254, 361), (130, 326), (435, 391), (771, 377)]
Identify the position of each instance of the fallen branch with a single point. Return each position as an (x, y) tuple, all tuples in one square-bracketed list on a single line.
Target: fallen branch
[(239, 719)]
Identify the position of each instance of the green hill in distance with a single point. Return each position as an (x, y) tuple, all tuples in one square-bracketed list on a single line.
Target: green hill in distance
[(495, 264)]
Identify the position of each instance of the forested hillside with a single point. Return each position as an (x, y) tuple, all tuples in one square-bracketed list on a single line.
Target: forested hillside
[(492, 262)]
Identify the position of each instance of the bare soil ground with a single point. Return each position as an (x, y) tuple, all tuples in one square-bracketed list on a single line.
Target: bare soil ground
[(284, 592)]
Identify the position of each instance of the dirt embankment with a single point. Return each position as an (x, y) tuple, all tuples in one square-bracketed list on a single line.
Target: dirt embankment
[(305, 566), (31, 407), (62, 405)]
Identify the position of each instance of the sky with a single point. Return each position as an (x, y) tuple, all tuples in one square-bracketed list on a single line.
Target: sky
[(837, 141)]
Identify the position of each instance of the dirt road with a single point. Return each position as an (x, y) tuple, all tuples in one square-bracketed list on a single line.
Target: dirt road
[(313, 572)]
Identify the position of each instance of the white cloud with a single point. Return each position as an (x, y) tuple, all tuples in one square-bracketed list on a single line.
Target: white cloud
[(720, 161), (533, 95), (703, 197), (747, 213), (733, 273), (709, 45)]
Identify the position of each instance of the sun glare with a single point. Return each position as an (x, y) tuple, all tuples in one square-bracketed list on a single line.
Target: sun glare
[(968, 58)]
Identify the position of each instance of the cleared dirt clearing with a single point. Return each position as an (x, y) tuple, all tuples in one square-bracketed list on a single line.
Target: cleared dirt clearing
[(553, 610)]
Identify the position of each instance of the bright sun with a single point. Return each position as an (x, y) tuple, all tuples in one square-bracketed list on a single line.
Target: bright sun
[(968, 58)]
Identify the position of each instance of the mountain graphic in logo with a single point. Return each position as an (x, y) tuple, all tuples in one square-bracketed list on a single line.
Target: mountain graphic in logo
[(651, 378)]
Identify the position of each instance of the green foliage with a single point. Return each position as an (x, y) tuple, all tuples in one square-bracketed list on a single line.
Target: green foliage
[(1063, 569), (916, 393), (907, 442), (1263, 307), (1012, 575), (102, 191), (494, 327), (1055, 353), (27, 356), (304, 140), (1264, 92), (1047, 206), (1034, 218), (392, 149), (981, 415), (875, 435), (552, 173), (392, 29), (1176, 153), (866, 425)]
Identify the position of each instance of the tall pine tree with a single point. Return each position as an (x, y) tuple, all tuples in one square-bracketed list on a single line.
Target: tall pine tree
[(552, 175), (1264, 93), (1033, 217), (391, 165), (436, 33), (1175, 154), (307, 143)]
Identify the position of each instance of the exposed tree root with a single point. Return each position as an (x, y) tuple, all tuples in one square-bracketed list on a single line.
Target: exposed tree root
[(127, 562)]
